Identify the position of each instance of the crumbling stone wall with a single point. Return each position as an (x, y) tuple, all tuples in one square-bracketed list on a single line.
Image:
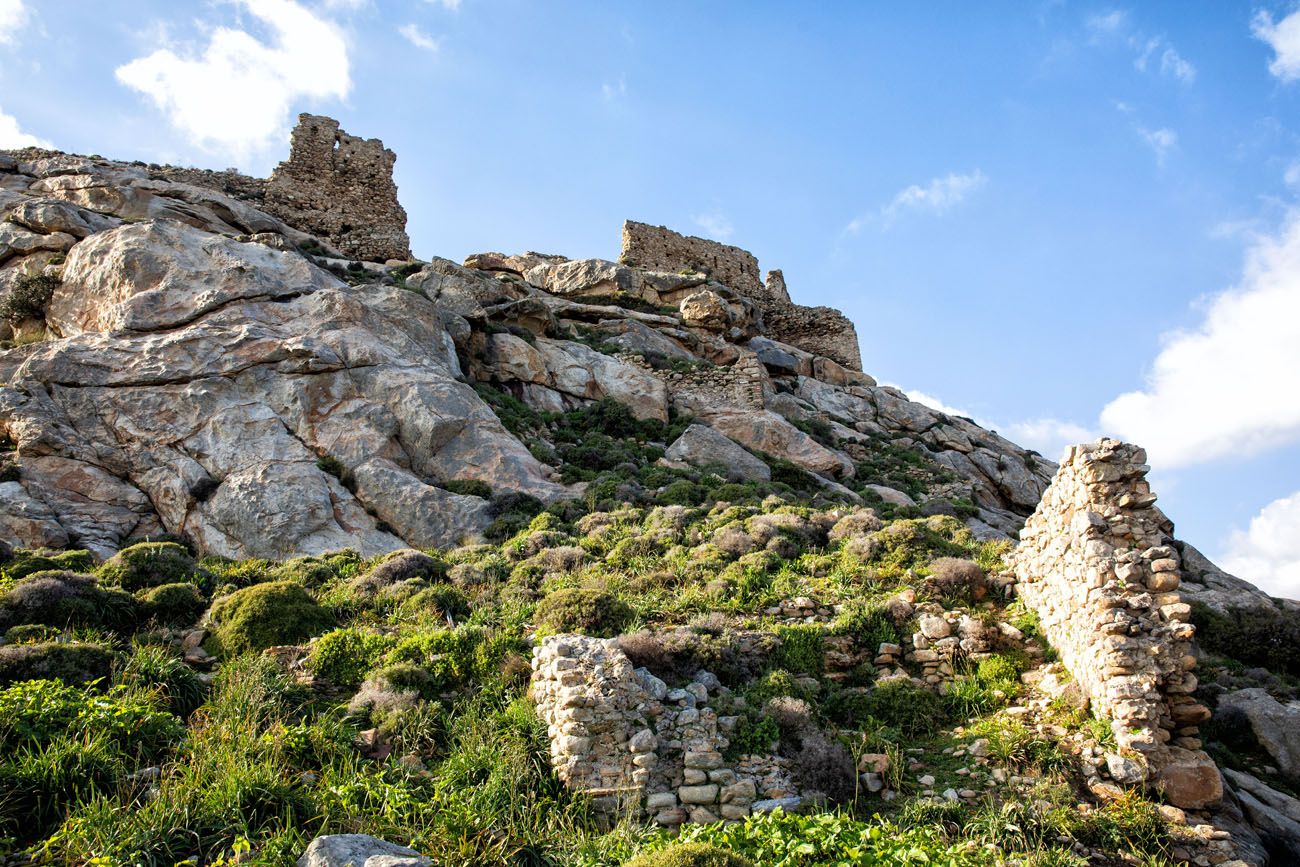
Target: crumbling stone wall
[(340, 187), (622, 737), (819, 330), (1097, 562)]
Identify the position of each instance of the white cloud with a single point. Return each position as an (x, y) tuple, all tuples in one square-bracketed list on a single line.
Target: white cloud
[(614, 91), (449, 5), (1107, 24), (1226, 387), (1161, 141), (12, 137), (714, 224), (931, 401), (1284, 38), (1047, 436), (13, 16), (417, 37), (348, 5), (1150, 52), (1267, 554), (938, 197), (237, 95)]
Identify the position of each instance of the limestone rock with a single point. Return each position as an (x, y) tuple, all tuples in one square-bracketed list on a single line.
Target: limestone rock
[(1276, 725), (584, 278), (768, 432), (706, 309), (359, 850), (161, 274), (1188, 778), (700, 446)]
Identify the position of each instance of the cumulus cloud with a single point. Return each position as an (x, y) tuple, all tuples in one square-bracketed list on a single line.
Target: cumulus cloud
[(1267, 554), (12, 137), (13, 16), (1161, 141), (417, 37), (714, 224), (937, 197), (1226, 387), (237, 95), (1284, 38)]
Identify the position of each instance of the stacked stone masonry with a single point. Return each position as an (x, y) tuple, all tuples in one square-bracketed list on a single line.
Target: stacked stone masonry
[(1096, 561), (340, 187), (636, 747), (819, 330)]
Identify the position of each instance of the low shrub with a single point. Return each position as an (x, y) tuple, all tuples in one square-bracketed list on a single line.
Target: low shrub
[(901, 704), (589, 612), (28, 297), (65, 599), (690, 855), (173, 604), (470, 488), (265, 615), (30, 633), (397, 567), (345, 656), (822, 764), (148, 564), (70, 662), (1262, 637), (957, 580), (868, 624), (801, 649), (754, 734)]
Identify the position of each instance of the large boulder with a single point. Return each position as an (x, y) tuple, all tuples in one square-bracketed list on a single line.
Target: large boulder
[(578, 370), (585, 278), (1276, 725), (160, 274), (702, 446), (217, 418), (1188, 778), (765, 431), (359, 850)]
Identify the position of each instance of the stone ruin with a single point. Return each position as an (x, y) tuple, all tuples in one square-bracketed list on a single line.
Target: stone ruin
[(822, 331), (340, 187), (620, 736), (1097, 562)]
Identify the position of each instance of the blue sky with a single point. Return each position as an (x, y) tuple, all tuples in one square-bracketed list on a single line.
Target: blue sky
[(1029, 210)]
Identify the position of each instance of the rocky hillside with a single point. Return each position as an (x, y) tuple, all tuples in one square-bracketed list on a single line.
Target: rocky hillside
[(303, 519)]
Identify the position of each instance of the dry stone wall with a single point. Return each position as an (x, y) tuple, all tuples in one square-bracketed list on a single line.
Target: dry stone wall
[(622, 737), (340, 187), (819, 330), (1097, 562)]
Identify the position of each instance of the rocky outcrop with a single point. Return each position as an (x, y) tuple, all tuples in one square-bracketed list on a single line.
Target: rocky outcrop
[(359, 850), (1276, 726), (210, 412), (1096, 562), (340, 187), (702, 446)]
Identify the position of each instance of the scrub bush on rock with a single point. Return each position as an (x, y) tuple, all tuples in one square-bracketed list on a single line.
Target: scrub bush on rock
[(148, 564), (589, 612), (266, 615)]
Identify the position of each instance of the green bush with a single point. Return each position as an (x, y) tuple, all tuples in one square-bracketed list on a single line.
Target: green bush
[(30, 633), (71, 662), (690, 855), (754, 734), (148, 564), (1267, 638), (266, 615), (901, 704), (173, 604), (589, 612), (38, 711), (868, 623), (801, 649), (25, 563), (28, 297), (470, 488), (345, 656)]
